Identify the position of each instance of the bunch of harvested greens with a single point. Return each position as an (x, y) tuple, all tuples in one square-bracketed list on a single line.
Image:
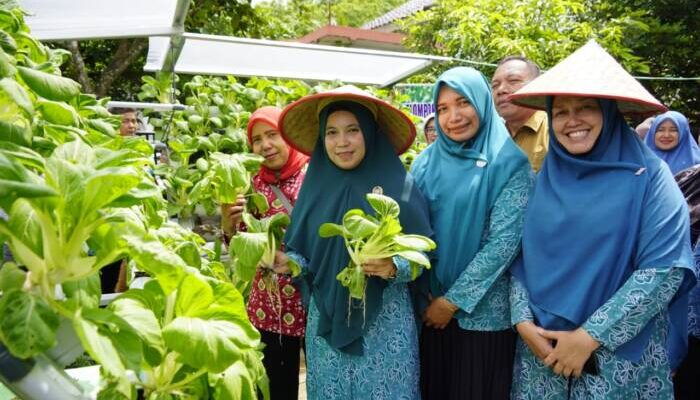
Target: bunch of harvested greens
[(370, 237)]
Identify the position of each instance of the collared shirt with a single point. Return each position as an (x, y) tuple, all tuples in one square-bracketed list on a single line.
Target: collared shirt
[(533, 139)]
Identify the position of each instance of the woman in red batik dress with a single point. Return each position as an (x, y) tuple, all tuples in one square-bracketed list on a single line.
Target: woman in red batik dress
[(276, 312)]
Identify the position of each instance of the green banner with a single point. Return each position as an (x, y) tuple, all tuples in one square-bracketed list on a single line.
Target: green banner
[(421, 98)]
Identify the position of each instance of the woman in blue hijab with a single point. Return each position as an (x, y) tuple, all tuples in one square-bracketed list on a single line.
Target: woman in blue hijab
[(354, 349), (598, 294), (476, 181), (670, 138)]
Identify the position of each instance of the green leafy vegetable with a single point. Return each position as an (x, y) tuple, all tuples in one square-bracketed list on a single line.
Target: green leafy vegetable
[(28, 325), (230, 175), (49, 86), (78, 198), (370, 237)]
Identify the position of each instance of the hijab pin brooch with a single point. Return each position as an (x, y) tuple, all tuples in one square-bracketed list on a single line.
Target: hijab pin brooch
[(377, 190), (640, 171), (481, 163)]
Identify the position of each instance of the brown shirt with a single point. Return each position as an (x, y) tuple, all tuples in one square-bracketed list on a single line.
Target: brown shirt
[(533, 139)]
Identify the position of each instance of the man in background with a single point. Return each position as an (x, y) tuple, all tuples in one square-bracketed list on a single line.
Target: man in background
[(113, 276), (130, 120), (526, 126)]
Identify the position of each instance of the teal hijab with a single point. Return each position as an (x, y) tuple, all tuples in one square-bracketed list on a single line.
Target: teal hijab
[(461, 181), (327, 193)]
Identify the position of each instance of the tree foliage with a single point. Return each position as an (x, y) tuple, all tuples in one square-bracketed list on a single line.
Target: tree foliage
[(296, 18), (649, 38), (670, 44), (544, 31)]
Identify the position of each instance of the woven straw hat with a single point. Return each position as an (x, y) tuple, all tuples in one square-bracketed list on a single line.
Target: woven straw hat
[(299, 122), (589, 72)]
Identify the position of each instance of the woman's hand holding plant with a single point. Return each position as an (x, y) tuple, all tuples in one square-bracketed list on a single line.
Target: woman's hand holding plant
[(232, 215), (381, 267)]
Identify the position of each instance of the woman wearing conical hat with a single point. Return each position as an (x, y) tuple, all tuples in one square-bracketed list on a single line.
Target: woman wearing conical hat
[(355, 349), (598, 294)]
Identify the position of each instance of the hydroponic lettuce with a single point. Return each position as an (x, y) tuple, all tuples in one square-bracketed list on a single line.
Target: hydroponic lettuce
[(369, 237)]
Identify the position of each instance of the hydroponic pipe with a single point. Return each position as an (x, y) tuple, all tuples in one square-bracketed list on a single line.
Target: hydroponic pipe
[(37, 379)]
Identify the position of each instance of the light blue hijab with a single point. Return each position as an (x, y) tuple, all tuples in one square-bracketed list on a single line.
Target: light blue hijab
[(461, 181), (686, 153), (593, 220)]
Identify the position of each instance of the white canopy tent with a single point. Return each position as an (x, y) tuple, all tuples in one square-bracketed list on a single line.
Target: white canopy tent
[(223, 55), (103, 19), (172, 50)]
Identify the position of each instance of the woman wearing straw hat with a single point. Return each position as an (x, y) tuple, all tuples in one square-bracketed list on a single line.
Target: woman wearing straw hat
[(355, 349), (477, 181), (280, 319), (670, 138), (606, 253)]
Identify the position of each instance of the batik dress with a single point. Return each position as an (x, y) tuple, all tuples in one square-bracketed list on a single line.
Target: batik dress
[(388, 369), (283, 314), (642, 300)]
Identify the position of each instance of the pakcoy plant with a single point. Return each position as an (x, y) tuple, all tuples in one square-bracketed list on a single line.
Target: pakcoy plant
[(227, 176), (79, 197), (194, 332), (256, 247), (376, 236), (185, 334)]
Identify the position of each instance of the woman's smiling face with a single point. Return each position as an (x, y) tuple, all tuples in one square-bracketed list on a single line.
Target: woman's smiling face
[(666, 136), (577, 123), (344, 141), (457, 117)]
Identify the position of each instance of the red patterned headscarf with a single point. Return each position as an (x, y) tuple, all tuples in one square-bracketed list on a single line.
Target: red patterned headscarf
[(296, 160)]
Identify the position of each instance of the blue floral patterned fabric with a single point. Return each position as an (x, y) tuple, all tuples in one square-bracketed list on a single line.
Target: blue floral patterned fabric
[(389, 367), (481, 291), (642, 300)]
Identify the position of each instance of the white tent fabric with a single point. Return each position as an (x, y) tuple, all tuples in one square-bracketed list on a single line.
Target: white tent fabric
[(222, 55), (101, 19)]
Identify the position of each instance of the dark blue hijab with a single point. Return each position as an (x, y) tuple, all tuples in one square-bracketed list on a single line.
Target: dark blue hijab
[(327, 193), (593, 220)]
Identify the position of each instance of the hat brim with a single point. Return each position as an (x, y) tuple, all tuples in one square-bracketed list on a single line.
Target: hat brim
[(299, 122), (590, 71), (626, 105)]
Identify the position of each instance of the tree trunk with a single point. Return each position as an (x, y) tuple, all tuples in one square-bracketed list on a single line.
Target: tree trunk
[(127, 52), (79, 64)]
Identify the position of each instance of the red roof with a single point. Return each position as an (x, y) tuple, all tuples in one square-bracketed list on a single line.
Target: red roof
[(331, 32)]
